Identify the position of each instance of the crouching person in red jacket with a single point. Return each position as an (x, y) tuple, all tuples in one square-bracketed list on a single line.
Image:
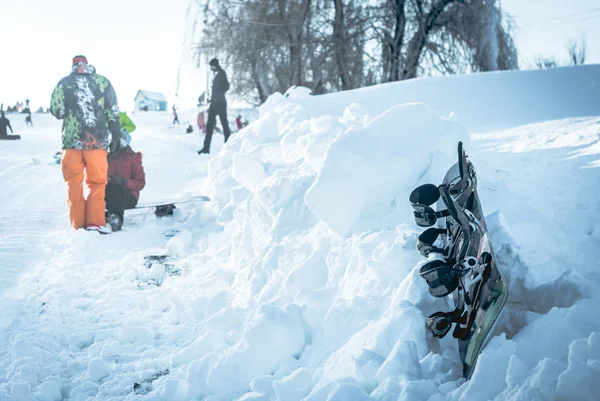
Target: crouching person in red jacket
[(126, 179)]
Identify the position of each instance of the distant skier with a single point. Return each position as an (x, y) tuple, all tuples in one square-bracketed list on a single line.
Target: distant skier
[(201, 122), (28, 121), (218, 105), (126, 177), (4, 123), (87, 104), (239, 124), (175, 116)]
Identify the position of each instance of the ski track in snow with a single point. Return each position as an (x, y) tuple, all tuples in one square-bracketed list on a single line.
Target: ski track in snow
[(294, 284), (31, 207)]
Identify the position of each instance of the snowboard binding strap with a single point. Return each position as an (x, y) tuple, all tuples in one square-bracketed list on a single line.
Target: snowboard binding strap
[(421, 199), (441, 277), (425, 216), (427, 239)]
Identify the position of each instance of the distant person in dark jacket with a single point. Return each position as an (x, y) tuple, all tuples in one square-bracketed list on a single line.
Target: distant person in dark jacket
[(175, 116), (4, 123), (218, 105), (28, 121), (126, 177)]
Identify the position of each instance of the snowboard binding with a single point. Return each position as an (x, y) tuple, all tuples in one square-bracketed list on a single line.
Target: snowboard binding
[(425, 242), (421, 200), (440, 323), (464, 265), (164, 210)]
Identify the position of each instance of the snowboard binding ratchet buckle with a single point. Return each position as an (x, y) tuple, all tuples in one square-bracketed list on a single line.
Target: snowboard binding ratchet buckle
[(440, 323), (467, 265)]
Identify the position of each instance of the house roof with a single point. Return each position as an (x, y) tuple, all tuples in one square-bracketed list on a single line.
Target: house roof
[(152, 95)]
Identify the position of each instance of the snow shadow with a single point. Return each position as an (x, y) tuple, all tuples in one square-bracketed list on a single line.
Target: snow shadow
[(528, 300)]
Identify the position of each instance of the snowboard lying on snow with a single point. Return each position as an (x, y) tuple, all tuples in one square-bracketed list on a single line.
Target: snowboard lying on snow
[(166, 207), (465, 266), (163, 208)]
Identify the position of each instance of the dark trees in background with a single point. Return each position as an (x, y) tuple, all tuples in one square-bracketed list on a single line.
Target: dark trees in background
[(331, 45)]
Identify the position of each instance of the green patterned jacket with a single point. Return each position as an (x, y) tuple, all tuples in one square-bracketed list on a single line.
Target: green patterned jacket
[(87, 104)]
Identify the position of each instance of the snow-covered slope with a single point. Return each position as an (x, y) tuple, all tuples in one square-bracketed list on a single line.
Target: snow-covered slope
[(492, 100), (299, 281)]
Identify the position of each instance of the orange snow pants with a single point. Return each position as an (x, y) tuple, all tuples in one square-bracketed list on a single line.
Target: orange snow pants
[(91, 212)]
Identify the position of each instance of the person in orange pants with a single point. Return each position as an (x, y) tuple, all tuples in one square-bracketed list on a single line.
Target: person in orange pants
[(86, 213), (87, 104)]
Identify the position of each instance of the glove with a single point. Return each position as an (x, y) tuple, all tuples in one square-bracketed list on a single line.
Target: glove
[(122, 182), (115, 147)]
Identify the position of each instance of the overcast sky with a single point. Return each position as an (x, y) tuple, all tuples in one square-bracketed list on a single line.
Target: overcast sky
[(137, 44)]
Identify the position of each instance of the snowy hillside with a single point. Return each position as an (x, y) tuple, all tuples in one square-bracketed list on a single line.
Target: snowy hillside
[(299, 280)]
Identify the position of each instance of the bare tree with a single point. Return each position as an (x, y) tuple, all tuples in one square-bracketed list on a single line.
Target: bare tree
[(447, 36), (331, 45), (318, 48), (577, 51), (489, 36), (339, 40), (349, 38), (426, 22), (246, 34), (393, 38), (293, 15), (577, 55), (542, 62)]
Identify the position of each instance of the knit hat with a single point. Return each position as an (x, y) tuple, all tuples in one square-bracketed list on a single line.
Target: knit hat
[(79, 59), (214, 62)]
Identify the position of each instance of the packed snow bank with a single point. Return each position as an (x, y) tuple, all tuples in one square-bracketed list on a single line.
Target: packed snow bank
[(270, 294), (383, 166)]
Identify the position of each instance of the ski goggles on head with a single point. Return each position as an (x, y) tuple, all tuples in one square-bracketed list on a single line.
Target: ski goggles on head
[(421, 200), (77, 65)]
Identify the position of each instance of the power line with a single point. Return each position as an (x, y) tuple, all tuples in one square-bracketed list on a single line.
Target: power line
[(586, 18), (585, 14)]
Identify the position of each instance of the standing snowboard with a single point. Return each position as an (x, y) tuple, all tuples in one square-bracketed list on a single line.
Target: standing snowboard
[(466, 267)]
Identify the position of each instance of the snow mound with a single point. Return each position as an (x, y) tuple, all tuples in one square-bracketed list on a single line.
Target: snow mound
[(368, 170)]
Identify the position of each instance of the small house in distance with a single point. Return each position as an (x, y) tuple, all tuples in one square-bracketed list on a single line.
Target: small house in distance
[(150, 101)]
